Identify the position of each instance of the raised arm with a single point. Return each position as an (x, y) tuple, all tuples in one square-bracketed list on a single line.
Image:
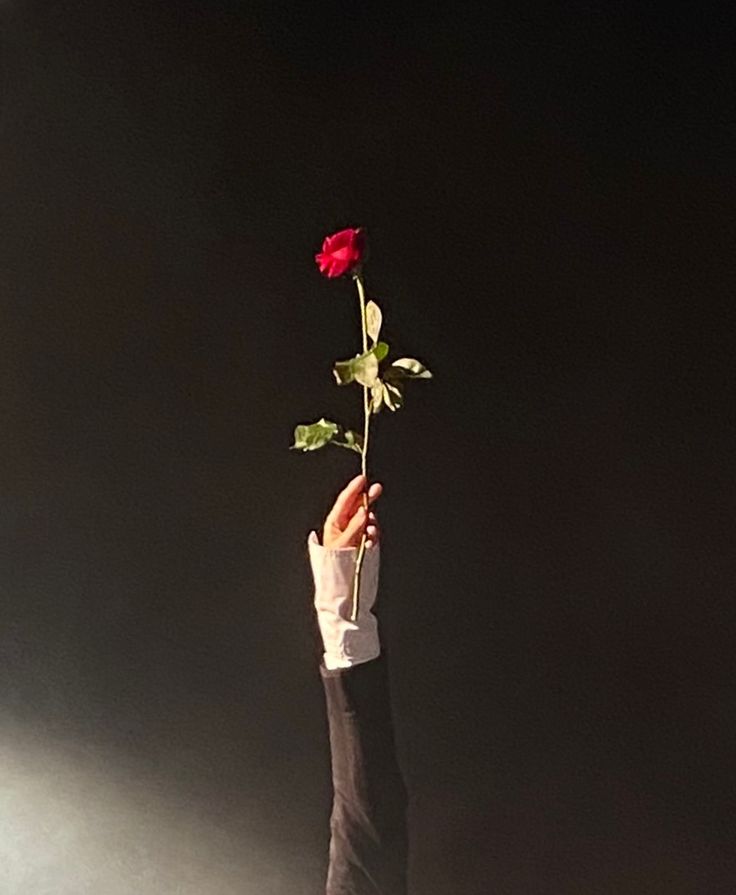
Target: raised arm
[(368, 845)]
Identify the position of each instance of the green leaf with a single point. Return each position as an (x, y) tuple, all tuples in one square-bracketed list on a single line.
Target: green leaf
[(353, 442), (410, 368), (362, 368), (374, 318), (380, 349), (313, 436), (392, 396), (343, 371), (365, 369)]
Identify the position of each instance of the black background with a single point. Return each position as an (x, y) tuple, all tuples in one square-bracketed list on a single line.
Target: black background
[(548, 191)]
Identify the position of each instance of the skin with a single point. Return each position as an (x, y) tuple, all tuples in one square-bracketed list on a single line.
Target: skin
[(346, 520)]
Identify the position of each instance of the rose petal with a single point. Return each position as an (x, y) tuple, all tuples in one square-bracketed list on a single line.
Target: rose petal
[(341, 252)]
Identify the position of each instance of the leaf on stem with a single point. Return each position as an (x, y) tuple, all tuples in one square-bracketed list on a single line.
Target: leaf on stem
[(313, 436), (392, 396), (362, 368), (376, 396), (374, 318), (409, 368), (380, 349), (353, 442)]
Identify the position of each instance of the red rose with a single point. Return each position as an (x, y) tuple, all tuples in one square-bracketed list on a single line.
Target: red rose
[(342, 252)]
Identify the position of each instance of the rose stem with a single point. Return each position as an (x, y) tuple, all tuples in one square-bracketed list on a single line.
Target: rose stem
[(363, 453)]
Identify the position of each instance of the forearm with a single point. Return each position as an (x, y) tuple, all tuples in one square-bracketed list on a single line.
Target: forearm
[(368, 846)]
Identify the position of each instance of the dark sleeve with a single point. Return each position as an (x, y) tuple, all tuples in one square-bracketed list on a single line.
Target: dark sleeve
[(368, 846)]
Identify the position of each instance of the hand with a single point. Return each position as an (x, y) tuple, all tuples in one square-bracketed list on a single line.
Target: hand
[(347, 519)]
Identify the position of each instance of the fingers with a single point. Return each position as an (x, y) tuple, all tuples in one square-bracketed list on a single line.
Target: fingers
[(353, 530), (372, 532), (347, 519), (371, 528), (374, 492), (343, 507), (350, 498)]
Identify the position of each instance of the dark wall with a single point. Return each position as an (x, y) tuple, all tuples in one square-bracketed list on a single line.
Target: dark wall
[(549, 193)]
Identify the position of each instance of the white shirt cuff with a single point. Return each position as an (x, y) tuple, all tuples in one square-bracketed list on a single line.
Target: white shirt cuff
[(346, 643)]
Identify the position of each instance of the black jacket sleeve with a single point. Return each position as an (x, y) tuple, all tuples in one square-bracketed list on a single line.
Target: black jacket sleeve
[(368, 846)]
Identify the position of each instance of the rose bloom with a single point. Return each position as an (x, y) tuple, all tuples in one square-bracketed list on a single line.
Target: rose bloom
[(342, 252)]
